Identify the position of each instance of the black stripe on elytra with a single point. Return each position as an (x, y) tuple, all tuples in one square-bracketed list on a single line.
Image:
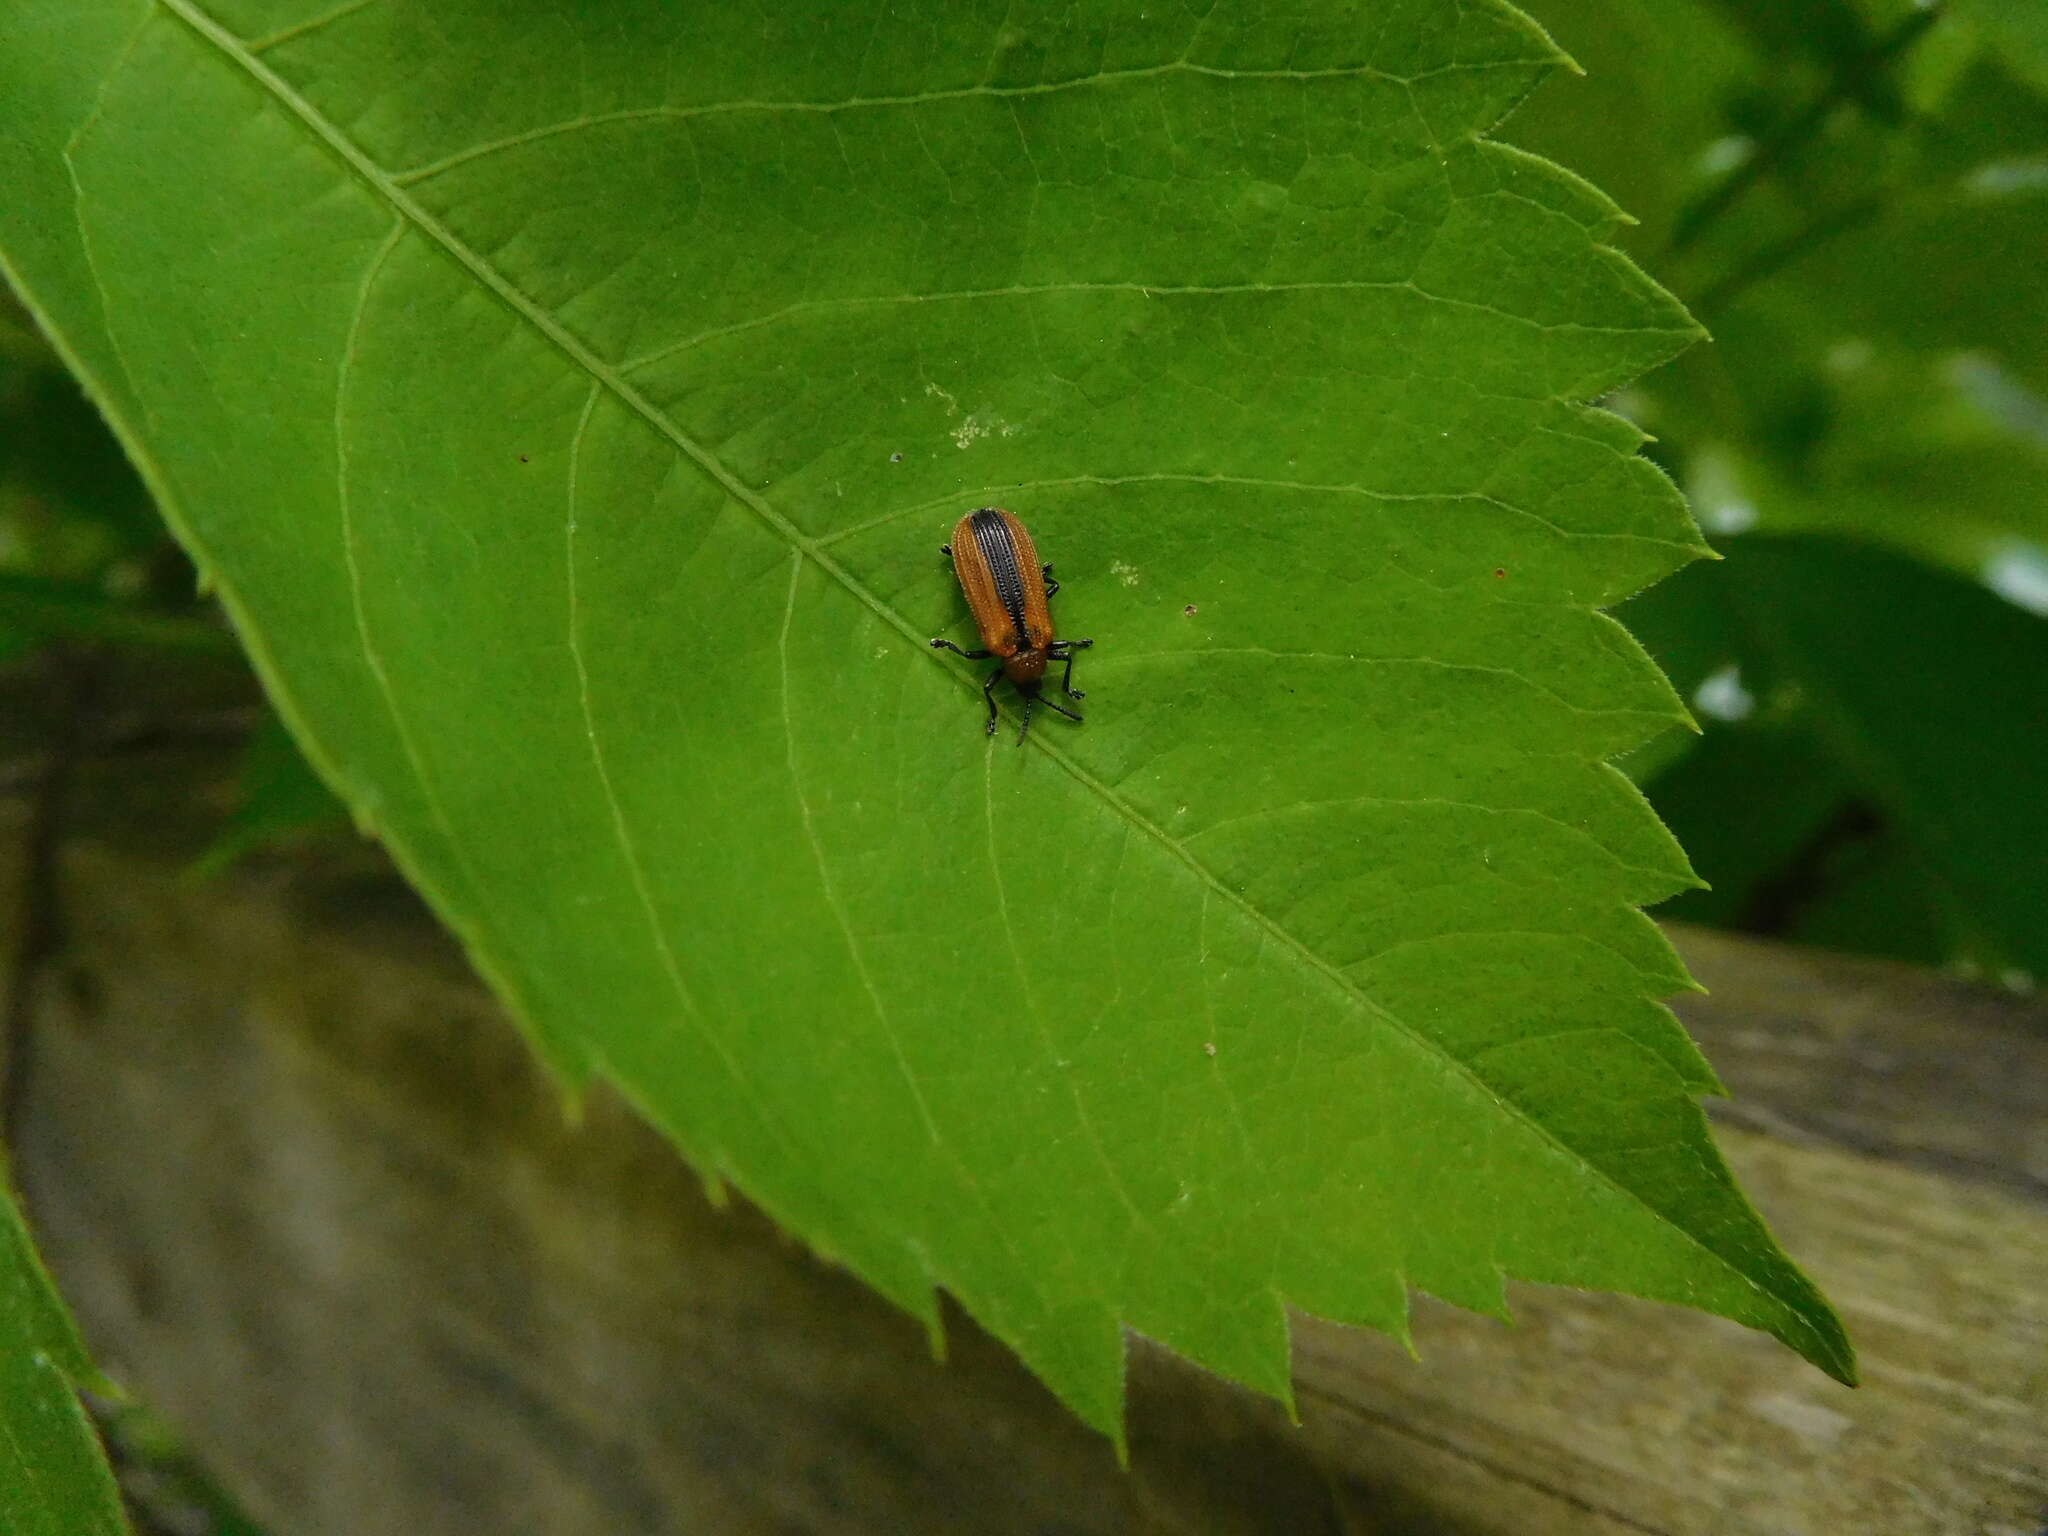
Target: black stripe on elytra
[(999, 550)]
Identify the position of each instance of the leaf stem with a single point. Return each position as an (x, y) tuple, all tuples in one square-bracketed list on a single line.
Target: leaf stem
[(1848, 80)]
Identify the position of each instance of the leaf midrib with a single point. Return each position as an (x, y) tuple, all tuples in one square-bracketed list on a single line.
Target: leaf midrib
[(378, 181)]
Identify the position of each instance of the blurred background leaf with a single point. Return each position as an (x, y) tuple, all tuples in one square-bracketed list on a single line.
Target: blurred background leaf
[(281, 799), (1855, 198)]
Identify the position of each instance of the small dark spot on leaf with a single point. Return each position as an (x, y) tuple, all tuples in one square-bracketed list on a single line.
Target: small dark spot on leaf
[(524, 459), (1499, 573), (895, 458), (1189, 610)]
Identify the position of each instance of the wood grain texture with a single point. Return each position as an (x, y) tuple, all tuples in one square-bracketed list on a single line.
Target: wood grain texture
[(309, 1194)]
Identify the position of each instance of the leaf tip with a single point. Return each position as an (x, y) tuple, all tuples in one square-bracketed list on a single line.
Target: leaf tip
[(1809, 1324), (1400, 1325), (1826, 1341), (1833, 1353)]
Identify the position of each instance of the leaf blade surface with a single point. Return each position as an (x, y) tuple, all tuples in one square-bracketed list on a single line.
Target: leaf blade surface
[(621, 413)]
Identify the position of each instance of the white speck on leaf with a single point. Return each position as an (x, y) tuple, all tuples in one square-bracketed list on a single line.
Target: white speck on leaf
[(1125, 573)]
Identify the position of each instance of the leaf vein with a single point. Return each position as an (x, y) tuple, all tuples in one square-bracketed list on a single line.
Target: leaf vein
[(587, 121), (1054, 1060), (311, 24), (635, 867), (373, 658), (1385, 661), (1254, 482), (826, 887), (1298, 807), (1148, 290)]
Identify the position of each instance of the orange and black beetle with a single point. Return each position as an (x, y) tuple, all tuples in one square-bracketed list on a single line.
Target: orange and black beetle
[(1007, 591)]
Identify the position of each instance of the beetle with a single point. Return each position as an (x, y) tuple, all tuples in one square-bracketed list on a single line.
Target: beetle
[(1007, 591)]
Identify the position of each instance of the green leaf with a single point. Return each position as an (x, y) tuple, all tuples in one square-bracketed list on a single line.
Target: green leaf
[(1945, 459), (1878, 898), (1934, 690), (1879, 330), (43, 609), (1675, 72), (570, 409), (2020, 28), (1949, 259), (1754, 797), (54, 1478), (281, 798), (70, 506), (1922, 693)]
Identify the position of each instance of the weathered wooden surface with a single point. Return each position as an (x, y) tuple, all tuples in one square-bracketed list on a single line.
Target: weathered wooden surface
[(310, 1195)]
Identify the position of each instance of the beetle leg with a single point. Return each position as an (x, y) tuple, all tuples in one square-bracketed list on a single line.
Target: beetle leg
[(988, 692), (947, 645), (946, 550), (1051, 587), (1048, 703), (1065, 649)]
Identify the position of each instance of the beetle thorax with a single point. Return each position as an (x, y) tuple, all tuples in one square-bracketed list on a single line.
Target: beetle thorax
[(1027, 666)]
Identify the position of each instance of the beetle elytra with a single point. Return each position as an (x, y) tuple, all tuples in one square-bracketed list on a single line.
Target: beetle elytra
[(1007, 591)]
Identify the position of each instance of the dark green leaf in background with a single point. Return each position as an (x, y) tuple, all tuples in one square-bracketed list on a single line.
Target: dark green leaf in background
[(281, 798), (1933, 692), (70, 506), (569, 406)]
